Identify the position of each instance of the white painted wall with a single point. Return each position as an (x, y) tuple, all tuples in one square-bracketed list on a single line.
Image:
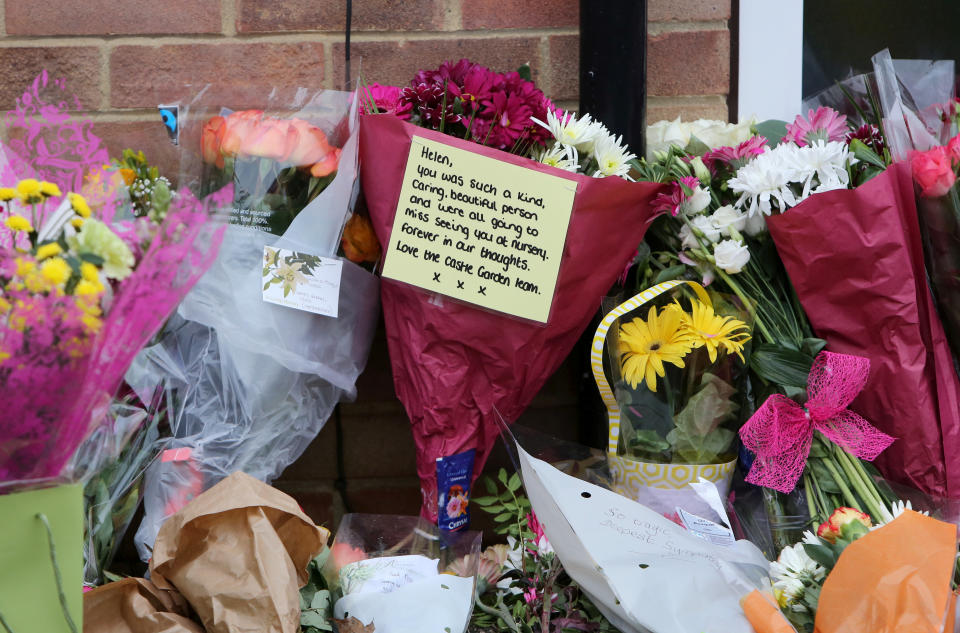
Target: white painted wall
[(770, 59)]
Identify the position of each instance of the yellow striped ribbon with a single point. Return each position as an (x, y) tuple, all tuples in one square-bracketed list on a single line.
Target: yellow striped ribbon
[(599, 340)]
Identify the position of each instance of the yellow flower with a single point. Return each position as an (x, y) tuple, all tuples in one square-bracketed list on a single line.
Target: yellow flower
[(48, 250), (18, 223), (76, 223), (96, 238), (25, 266), (89, 272), (79, 204), (4, 306), (85, 287), (647, 345), (714, 331), (29, 192), (50, 190), (7, 194), (36, 282), (55, 270)]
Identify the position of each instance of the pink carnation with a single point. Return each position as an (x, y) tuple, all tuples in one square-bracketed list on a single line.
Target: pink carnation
[(670, 202), (933, 171), (825, 124)]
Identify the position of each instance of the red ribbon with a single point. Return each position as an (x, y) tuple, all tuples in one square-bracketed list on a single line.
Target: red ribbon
[(781, 431)]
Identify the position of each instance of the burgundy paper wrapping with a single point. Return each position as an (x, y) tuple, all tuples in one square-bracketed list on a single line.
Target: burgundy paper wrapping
[(856, 261), (456, 365)]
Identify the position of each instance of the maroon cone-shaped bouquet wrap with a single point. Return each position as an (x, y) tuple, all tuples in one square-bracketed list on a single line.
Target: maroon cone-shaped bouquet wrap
[(457, 365), (856, 261)]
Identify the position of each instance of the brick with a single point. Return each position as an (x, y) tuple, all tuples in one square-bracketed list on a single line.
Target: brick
[(396, 62), (689, 63), (519, 14), (319, 460), (149, 136), (385, 496), (79, 66), (688, 10), (240, 75), (687, 112), (563, 71), (379, 446), (105, 17), (263, 16)]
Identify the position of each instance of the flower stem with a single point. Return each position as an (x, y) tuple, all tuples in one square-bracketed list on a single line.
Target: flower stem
[(838, 478), (56, 573), (3, 623)]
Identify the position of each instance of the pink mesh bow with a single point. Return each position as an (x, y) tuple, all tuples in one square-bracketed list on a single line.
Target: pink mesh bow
[(780, 432)]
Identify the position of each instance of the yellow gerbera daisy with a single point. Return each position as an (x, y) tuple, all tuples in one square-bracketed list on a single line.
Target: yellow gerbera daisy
[(647, 345), (714, 331), (79, 204), (18, 223), (48, 250), (50, 190), (29, 192)]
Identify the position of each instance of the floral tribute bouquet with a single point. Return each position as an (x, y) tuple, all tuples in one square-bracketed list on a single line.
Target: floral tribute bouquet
[(82, 293), (858, 575), (248, 383), (454, 364), (673, 410)]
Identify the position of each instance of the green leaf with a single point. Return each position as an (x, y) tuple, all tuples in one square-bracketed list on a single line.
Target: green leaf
[(514, 484), (668, 274), (502, 476), (864, 153), (321, 600), (813, 346), (490, 485), (698, 437), (266, 285), (773, 130), (506, 516), (696, 147), (484, 501), (781, 366), (821, 553), (648, 441), (525, 72), (96, 260)]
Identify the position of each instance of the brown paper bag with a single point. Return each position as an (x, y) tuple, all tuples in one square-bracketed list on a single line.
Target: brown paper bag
[(135, 605), (238, 553)]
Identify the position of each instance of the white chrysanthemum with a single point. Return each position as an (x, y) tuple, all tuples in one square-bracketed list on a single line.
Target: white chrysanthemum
[(810, 538), (827, 162), (792, 570), (559, 156), (612, 159), (765, 181), (570, 130), (896, 509)]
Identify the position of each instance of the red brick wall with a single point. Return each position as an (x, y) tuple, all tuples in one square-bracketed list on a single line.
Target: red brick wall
[(124, 57)]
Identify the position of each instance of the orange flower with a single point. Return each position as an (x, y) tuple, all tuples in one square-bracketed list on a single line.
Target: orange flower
[(210, 139), (237, 127), (326, 166), (273, 139), (128, 176), (359, 242), (840, 519), (343, 554), (312, 145)]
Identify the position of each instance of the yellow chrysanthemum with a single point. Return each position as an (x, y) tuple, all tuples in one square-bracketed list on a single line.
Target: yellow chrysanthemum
[(7, 194), (4, 306), (25, 266), (714, 331), (48, 250), (76, 223), (18, 223), (85, 288), (89, 272), (55, 270), (50, 190), (79, 204), (647, 345), (35, 282), (29, 192)]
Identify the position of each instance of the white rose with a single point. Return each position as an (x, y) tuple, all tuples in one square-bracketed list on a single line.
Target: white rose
[(697, 202), (703, 224), (726, 217), (755, 225), (731, 256), (662, 134), (710, 133)]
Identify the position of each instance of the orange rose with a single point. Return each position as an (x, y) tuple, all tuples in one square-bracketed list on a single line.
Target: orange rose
[(274, 139), (237, 127), (359, 242), (327, 165), (210, 139), (343, 554), (850, 518), (312, 145)]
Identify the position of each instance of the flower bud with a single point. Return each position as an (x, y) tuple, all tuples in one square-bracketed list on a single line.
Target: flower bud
[(846, 523), (700, 170)]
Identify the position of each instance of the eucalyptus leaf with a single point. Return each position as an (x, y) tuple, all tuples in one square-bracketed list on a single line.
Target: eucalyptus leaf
[(669, 274), (773, 129)]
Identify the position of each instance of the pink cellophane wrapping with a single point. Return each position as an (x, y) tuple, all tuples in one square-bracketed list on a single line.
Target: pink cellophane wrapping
[(855, 259), (455, 365), (52, 401), (781, 431)]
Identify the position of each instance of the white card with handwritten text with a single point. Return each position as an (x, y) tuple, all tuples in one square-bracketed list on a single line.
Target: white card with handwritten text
[(302, 281)]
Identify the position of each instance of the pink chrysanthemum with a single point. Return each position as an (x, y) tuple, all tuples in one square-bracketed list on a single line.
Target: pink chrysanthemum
[(826, 124), (736, 156), (670, 202), (870, 135)]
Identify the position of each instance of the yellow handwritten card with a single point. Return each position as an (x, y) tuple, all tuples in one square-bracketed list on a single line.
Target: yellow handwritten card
[(479, 229)]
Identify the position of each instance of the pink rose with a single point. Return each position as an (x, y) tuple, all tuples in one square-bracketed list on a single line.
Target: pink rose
[(953, 149), (933, 172)]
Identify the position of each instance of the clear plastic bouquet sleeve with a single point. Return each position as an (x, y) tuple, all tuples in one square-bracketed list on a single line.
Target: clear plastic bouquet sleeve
[(249, 383), (403, 574)]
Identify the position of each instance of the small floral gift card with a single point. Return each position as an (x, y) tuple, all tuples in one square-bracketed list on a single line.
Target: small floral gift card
[(302, 281)]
